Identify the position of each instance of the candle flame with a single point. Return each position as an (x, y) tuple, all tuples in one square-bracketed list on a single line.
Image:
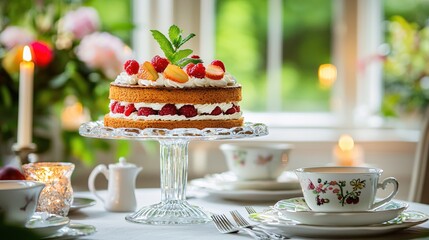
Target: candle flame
[(26, 55), (346, 143), (327, 75)]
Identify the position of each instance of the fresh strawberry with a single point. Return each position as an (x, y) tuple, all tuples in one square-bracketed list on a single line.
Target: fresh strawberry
[(175, 73), (219, 63), (214, 72), (189, 67), (131, 67), (188, 111), (168, 109), (129, 109), (113, 106), (148, 72), (159, 63), (119, 108), (146, 111), (198, 71), (195, 57), (237, 108), (216, 111), (232, 110)]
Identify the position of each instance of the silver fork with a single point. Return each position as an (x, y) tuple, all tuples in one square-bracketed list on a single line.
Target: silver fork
[(243, 223), (223, 224)]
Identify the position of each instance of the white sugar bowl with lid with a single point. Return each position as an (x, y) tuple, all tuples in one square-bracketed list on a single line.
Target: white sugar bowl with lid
[(121, 179)]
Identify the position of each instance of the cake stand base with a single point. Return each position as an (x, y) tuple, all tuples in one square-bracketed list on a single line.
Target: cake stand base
[(169, 213)]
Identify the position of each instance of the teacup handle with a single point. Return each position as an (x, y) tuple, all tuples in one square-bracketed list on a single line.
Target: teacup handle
[(382, 185), (99, 169)]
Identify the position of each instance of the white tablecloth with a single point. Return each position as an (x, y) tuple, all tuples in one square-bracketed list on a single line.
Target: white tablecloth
[(112, 225)]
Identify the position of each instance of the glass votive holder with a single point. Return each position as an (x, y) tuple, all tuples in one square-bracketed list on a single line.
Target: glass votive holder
[(57, 196)]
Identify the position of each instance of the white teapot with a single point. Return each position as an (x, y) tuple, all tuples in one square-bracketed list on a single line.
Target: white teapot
[(121, 184)]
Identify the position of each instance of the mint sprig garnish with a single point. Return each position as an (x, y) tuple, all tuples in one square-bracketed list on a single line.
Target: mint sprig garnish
[(170, 46)]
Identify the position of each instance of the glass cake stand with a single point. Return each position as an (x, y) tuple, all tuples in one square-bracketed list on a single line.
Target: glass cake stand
[(173, 208)]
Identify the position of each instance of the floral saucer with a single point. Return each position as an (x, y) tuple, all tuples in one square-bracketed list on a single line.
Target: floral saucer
[(45, 224), (296, 209), (270, 220), (79, 203)]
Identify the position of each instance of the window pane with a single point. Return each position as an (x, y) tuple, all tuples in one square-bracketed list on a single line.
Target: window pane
[(241, 42)]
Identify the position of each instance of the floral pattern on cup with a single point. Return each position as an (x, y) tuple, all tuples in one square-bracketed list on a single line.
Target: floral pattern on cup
[(240, 158), (338, 188)]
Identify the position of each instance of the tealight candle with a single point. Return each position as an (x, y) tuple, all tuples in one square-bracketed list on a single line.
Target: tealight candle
[(346, 153), (25, 111)]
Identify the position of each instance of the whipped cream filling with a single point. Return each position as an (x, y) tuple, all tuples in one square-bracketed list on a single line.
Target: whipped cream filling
[(227, 80), (203, 112)]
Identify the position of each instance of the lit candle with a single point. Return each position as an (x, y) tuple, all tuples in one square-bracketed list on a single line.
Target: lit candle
[(25, 111), (346, 153)]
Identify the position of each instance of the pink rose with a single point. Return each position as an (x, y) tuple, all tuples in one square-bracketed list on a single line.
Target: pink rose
[(13, 36), (81, 22), (103, 51)]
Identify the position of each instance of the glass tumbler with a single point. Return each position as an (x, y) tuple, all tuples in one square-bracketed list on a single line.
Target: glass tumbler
[(57, 196)]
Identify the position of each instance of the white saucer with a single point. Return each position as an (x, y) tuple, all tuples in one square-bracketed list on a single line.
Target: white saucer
[(296, 209), (45, 224), (228, 180), (72, 231), (226, 186), (79, 203), (270, 220)]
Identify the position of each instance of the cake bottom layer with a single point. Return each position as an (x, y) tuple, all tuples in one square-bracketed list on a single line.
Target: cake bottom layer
[(200, 124)]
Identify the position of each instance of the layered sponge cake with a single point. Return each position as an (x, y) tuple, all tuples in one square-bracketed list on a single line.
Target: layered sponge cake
[(175, 91)]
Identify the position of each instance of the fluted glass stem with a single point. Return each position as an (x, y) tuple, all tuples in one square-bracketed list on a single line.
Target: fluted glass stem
[(174, 169)]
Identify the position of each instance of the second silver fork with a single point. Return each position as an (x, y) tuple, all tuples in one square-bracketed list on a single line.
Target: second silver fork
[(245, 224)]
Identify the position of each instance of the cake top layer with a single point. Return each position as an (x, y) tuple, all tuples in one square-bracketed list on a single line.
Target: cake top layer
[(178, 69)]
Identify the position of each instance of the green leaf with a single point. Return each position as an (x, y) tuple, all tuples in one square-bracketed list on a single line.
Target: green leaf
[(164, 43), (186, 39), (123, 149), (7, 99), (175, 35), (185, 61), (177, 56)]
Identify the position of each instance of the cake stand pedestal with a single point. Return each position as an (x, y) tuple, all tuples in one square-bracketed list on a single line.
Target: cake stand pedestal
[(173, 208)]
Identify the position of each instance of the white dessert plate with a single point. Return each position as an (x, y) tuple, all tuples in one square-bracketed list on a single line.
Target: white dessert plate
[(296, 209), (221, 189), (270, 220), (228, 180), (45, 224), (79, 203), (72, 231)]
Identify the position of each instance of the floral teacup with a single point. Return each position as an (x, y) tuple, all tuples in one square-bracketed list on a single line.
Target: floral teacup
[(256, 160), (343, 189)]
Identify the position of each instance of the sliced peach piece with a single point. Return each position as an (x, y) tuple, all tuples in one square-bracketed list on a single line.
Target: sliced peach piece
[(147, 71), (175, 73)]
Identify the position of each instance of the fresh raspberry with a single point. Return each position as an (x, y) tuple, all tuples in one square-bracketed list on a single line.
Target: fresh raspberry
[(129, 109), (189, 67), (188, 111), (219, 63), (146, 111), (119, 108), (195, 57), (168, 109), (216, 111), (230, 111), (113, 106), (131, 67), (198, 71), (159, 63)]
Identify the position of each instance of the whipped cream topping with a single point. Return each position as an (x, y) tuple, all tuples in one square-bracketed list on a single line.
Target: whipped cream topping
[(227, 80)]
